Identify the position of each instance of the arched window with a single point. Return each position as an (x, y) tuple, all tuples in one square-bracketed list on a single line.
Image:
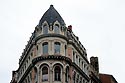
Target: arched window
[(82, 65), (30, 76), (65, 50), (37, 47), (77, 59), (67, 74), (35, 75), (45, 74), (73, 56), (45, 48), (83, 81), (57, 73), (56, 29), (74, 77), (25, 80), (57, 47), (77, 79), (45, 29), (80, 80), (79, 62), (28, 79)]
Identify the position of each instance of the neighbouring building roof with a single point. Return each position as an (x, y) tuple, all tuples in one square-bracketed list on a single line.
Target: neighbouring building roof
[(106, 78)]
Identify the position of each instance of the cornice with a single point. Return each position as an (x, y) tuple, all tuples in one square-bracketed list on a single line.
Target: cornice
[(52, 57), (79, 51), (26, 73), (50, 35), (95, 78), (80, 71)]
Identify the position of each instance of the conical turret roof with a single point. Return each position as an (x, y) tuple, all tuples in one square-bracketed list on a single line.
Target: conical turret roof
[(51, 15)]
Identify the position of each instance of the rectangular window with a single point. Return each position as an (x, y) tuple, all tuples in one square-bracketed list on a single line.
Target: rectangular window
[(57, 47), (45, 48)]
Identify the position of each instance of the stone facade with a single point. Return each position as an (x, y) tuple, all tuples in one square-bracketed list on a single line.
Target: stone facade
[(55, 55)]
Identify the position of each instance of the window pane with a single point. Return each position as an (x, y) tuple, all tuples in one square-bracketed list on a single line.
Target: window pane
[(45, 77), (45, 48), (73, 56), (77, 60), (35, 76), (44, 74), (56, 29), (57, 73), (57, 47), (74, 77), (66, 75), (45, 30)]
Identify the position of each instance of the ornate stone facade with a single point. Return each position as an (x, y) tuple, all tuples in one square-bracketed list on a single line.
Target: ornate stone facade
[(55, 55)]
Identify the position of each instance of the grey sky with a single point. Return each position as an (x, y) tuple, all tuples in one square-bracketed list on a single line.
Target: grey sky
[(100, 25)]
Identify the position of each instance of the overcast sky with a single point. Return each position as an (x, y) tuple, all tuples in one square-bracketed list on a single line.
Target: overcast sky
[(99, 24)]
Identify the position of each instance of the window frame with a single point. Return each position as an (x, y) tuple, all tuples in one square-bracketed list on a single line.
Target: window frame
[(67, 75), (57, 47), (55, 73), (45, 48), (43, 80), (56, 29), (45, 29), (35, 75)]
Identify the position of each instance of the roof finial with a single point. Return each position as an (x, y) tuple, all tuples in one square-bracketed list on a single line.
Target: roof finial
[(51, 5)]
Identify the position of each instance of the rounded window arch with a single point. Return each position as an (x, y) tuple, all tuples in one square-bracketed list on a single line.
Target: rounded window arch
[(74, 77), (45, 47), (28, 79), (77, 78), (80, 80), (77, 59), (45, 29), (82, 65), (67, 75), (45, 74), (83, 81), (56, 47), (56, 29), (65, 49), (25, 81), (57, 73), (73, 56), (35, 75)]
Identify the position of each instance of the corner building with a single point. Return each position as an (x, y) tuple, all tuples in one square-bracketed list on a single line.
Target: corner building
[(54, 55)]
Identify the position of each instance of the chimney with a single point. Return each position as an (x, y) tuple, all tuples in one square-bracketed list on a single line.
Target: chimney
[(70, 28), (94, 63)]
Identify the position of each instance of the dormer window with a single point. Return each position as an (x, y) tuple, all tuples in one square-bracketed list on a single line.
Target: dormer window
[(45, 29), (56, 29)]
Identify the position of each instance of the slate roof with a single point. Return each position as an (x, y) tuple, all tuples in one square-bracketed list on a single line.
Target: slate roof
[(51, 15)]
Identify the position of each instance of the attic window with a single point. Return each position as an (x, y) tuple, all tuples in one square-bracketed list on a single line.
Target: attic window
[(45, 29), (56, 29)]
